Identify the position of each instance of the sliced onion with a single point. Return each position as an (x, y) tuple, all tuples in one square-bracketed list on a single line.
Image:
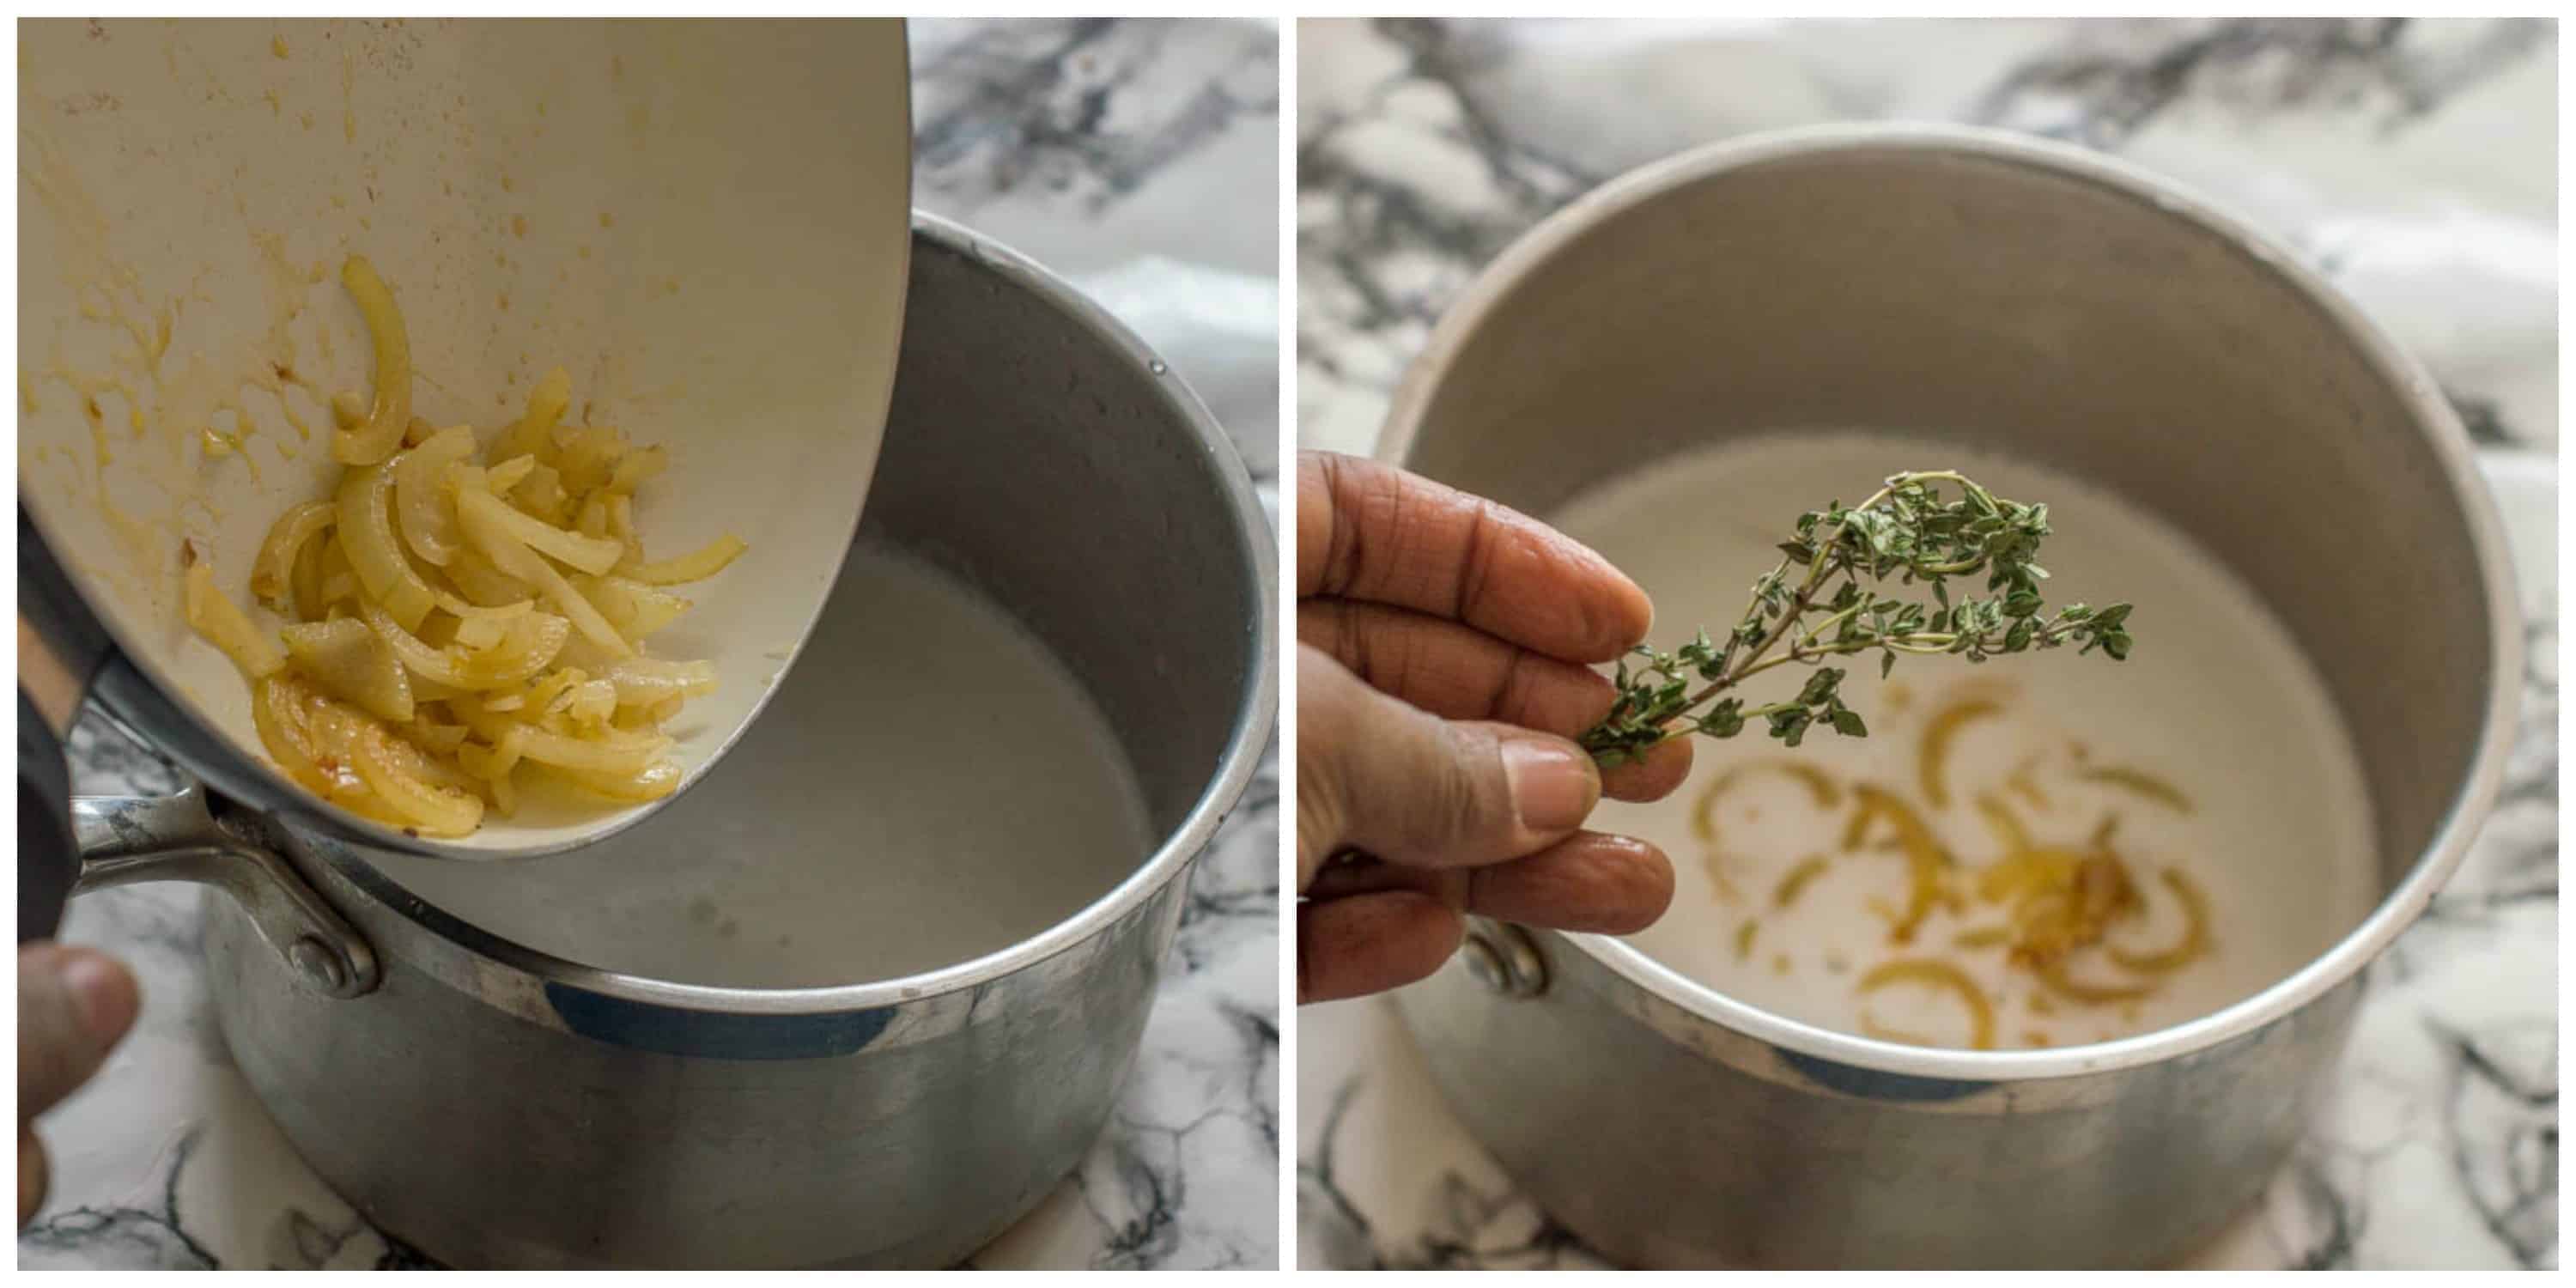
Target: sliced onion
[(529, 643), (432, 736), (591, 702), (272, 578), (336, 730), (490, 533), (394, 772), (367, 532), (308, 575), (214, 615), (621, 525), (478, 632), (618, 754), (348, 662), (593, 555), (420, 492), (277, 710), (542, 692), (425, 689), (381, 433), (644, 681), (541, 495), (496, 760), (588, 456), (635, 609), (496, 612), (651, 783), (697, 565), (336, 580), (534, 434), (484, 585), (635, 467), (506, 475)]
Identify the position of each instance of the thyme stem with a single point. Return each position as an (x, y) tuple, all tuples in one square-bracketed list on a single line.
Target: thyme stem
[(1905, 533)]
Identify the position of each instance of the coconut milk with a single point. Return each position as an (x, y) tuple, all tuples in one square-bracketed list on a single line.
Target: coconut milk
[(2214, 751)]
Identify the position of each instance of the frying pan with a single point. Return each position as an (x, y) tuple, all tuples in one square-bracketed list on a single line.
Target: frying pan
[(704, 223)]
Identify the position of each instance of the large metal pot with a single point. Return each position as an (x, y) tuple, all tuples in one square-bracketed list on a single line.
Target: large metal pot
[(2068, 309), (492, 1104)]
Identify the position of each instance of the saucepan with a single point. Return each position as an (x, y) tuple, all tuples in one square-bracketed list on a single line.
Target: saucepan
[(2073, 311), (702, 223), (505, 1080)]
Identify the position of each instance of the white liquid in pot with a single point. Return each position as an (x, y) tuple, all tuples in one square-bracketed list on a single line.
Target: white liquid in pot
[(2215, 701), (930, 785)]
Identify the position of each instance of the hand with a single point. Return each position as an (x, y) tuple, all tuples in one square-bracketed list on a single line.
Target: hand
[(74, 1004), (1442, 643)]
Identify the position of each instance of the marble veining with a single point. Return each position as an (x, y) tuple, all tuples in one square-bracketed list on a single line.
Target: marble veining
[(2412, 163), (1081, 144)]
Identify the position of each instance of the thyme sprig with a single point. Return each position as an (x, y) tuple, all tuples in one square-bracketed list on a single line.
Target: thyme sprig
[(1825, 600)]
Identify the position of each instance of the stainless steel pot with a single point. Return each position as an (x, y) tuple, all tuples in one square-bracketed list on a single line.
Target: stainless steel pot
[(2072, 310), (493, 1104)]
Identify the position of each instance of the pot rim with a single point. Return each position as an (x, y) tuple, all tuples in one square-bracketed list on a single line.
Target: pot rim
[(2431, 414), (1225, 784)]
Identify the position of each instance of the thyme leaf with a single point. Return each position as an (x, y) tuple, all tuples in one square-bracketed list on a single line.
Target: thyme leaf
[(1851, 581)]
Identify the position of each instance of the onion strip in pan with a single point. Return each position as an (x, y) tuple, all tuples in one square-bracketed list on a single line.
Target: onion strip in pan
[(376, 437)]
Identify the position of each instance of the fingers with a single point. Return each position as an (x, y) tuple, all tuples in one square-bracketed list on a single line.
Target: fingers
[(1610, 885), (1459, 673), (1379, 775), (1452, 671), (1373, 532), (73, 1006), (1372, 942), (1653, 778)]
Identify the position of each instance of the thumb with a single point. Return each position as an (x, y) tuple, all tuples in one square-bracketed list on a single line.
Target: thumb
[(73, 1006), (1377, 774)]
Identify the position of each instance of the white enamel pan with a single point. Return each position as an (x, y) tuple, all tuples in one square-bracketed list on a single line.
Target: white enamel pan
[(705, 223)]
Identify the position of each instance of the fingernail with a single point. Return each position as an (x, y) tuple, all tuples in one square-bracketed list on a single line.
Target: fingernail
[(1553, 785), (99, 989)]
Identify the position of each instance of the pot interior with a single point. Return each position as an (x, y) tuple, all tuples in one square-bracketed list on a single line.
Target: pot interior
[(931, 785), (1026, 680), (2028, 314)]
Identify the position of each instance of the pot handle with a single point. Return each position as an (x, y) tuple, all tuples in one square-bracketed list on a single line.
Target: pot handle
[(126, 839)]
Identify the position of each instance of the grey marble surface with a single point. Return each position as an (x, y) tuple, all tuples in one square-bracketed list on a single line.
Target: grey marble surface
[(1141, 159), (2413, 163)]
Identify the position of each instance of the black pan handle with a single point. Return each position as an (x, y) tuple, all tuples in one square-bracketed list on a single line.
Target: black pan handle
[(48, 857), (61, 648)]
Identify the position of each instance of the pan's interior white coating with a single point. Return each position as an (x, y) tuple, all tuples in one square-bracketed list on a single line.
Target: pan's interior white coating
[(931, 786), (706, 224)]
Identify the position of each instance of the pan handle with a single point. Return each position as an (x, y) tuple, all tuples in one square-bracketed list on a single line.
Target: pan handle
[(61, 648), (48, 857), (126, 839)]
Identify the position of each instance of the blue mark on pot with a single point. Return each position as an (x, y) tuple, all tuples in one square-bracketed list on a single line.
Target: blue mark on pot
[(1873, 1084), (643, 1026)]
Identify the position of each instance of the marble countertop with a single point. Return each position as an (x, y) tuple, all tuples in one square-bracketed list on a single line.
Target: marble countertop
[(1138, 157), (2411, 162)]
